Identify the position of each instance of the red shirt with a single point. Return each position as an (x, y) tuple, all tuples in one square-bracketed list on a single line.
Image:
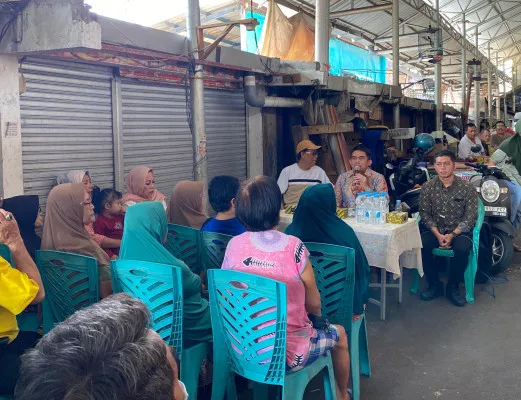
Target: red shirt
[(111, 228)]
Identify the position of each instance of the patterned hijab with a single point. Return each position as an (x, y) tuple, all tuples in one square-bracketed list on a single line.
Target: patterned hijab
[(186, 205), (63, 229), (135, 182)]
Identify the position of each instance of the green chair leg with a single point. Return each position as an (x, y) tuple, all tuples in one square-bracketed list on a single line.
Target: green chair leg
[(295, 383), (191, 361), (365, 364), (414, 282)]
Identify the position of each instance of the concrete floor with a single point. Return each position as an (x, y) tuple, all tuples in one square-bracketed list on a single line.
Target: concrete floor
[(434, 350)]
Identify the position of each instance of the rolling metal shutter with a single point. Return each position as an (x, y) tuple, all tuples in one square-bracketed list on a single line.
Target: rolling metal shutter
[(156, 133), (66, 123), (225, 116)]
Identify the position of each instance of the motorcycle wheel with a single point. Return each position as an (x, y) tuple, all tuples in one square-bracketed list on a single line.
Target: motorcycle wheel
[(502, 251)]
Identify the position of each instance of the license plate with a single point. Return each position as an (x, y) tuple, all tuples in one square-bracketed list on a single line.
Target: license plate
[(497, 211)]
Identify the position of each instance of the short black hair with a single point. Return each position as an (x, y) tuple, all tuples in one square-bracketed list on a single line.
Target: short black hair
[(102, 197), (483, 129), (258, 204), (221, 190), (361, 147), (500, 122), (469, 125), (446, 153)]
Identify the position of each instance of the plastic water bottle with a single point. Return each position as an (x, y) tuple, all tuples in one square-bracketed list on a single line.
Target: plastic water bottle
[(398, 207), (378, 209), (369, 209), (360, 210), (384, 207)]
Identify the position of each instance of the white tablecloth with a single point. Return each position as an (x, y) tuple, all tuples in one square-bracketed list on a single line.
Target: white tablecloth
[(386, 246)]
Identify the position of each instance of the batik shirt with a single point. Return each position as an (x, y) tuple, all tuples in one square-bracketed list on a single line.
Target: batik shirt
[(346, 190), (281, 257), (448, 208)]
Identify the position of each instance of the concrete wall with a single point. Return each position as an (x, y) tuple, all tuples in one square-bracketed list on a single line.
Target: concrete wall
[(11, 174)]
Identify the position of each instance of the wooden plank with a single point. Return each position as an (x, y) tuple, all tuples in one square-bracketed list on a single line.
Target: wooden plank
[(323, 129)]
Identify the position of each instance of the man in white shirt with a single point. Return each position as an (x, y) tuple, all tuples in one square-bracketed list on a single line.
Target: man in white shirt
[(467, 143), (293, 180)]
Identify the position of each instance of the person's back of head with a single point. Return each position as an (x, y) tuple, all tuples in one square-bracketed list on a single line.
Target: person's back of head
[(104, 351), (221, 191), (258, 204)]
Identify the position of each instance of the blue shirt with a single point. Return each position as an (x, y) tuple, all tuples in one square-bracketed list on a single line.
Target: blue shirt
[(232, 226)]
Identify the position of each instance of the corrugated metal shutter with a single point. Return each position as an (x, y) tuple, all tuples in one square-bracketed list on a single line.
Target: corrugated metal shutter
[(66, 123), (225, 116), (156, 132)]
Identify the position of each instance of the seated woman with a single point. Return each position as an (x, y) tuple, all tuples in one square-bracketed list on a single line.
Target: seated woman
[(26, 211), (19, 287), (264, 251), (315, 220), (141, 186), (69, 209), (143, 237), (186, 205), (222, 192), (109, 223), (83, 177)]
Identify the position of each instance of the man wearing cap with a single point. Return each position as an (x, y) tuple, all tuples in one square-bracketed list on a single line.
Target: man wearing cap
[(293, 180)]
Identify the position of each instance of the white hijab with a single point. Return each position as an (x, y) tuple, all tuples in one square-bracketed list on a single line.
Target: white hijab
[(73, 176)]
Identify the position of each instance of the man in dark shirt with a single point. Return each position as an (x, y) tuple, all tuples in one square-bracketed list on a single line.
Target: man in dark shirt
[(448, 210)]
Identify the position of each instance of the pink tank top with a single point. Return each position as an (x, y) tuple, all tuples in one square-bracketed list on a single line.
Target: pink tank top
[(280, 257)]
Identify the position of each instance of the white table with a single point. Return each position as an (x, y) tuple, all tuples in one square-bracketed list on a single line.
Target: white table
[(389, 247)]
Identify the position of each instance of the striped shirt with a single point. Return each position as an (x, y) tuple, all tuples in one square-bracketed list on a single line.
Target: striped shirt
[(293, 181)]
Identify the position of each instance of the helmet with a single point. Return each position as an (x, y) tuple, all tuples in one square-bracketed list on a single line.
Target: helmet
[(425, 142)]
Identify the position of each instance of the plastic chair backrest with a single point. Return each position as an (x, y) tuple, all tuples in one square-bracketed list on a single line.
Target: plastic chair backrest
[(213, 249), (5, 253), (70, 281), (334, 268), (160, 287), (479, 224), (183, 243), (249, 319)]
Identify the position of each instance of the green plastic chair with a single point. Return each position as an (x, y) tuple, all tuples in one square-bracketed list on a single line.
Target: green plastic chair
[(183, 243), (70, 281), (472, 266), (5, 253), (160, 287), (249, 330), (334, 268), (213, 249)]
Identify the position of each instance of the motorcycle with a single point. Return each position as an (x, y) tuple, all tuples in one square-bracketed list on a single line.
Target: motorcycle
[(405, 179), (490, 183)]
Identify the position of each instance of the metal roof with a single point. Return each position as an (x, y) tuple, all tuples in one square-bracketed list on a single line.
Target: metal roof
[(498, 22)]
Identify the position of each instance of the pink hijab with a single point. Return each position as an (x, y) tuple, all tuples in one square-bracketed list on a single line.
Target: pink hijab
[(135, 181)]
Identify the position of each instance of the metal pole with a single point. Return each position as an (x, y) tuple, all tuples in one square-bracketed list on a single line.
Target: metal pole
[(477, 88), (489, 86), (322, 32), (498, 97), (437, 76), (193, 20), (396, 57), (360, 10), (505, 113), (464, 68)]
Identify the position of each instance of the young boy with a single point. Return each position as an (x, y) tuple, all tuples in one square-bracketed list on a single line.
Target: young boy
[(222, 191), (110, 210)]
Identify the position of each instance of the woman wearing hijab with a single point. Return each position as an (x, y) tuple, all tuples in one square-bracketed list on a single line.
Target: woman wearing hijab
[(141, 186), (315, 220), (144, 233), (69, 209), (186, 205), (83, 177), (26, 211)]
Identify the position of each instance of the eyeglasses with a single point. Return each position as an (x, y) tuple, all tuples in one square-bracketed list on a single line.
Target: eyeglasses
[(312, 152)]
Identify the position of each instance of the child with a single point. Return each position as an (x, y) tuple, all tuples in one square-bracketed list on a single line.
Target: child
[(109, 208), (222, 191)]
